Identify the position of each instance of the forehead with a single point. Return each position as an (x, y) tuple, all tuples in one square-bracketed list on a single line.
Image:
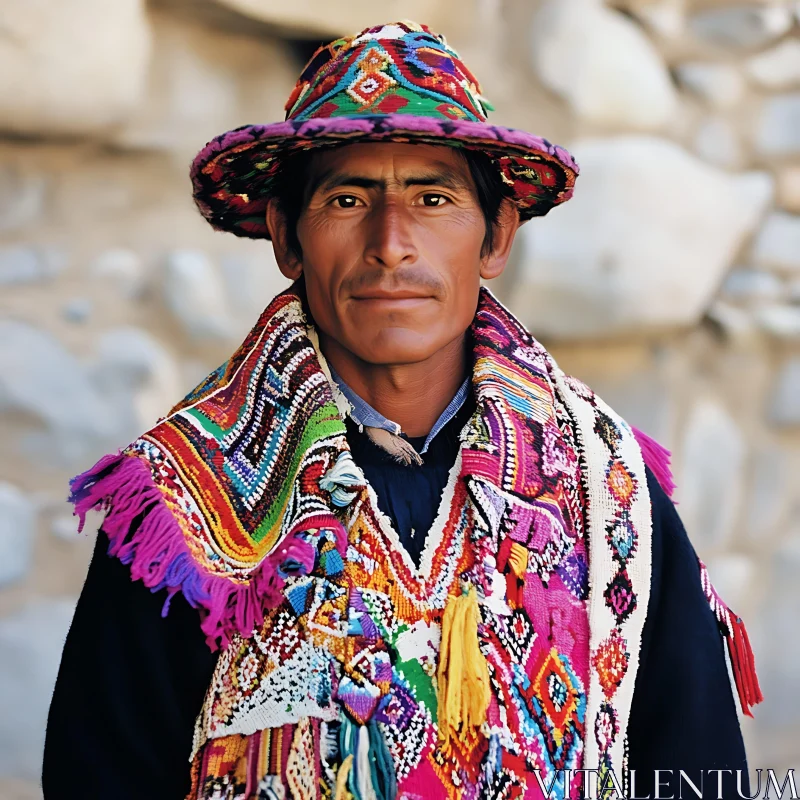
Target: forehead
[(374, 159)]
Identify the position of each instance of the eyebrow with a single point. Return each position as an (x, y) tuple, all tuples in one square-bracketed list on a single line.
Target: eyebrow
[(334, 180)]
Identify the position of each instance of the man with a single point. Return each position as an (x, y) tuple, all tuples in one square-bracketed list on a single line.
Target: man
[(426, 563)]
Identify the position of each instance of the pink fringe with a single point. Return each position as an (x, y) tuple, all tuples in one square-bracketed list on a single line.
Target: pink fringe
[(143, 532), (657, 458)]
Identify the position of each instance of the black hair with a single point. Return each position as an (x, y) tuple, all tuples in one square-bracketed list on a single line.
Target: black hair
[(291, 182)]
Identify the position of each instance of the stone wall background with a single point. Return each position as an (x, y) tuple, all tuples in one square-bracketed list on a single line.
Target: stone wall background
[(671, 283)]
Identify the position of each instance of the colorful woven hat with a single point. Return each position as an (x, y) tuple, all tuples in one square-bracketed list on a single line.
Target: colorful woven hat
[(396, 82)]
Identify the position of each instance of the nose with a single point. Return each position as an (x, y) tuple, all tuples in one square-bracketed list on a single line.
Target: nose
[(390, 241)]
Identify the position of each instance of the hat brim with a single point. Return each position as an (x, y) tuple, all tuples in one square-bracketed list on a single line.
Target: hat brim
[(234, 174)]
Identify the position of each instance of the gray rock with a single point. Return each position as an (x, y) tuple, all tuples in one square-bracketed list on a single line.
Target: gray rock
[(741, 26), (136, 375), (77, 309), (717, 142), (195, 294), (720, 85), (22, 198), (737, 324), (780, 321), (31, 641), (641, 394), (643, 244), (602, 64), (76, 82), (17, 531), (665, 18), (123, 269), (778, 68), (778, 131), (250, 284), (19, 265), (203, 80), (752, 285), (785, 406), (43, 380), (772, 484), (774, 639), (22, 264), (778, 242), (710, 480), (126, 359)]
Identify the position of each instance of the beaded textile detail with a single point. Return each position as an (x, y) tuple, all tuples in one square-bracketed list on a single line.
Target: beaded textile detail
[(353, 631)]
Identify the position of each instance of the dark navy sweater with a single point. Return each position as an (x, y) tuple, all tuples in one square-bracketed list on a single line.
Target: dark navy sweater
[(131, 683)]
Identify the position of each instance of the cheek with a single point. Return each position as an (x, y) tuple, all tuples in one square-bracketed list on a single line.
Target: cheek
[(454, 251), (328, 257)]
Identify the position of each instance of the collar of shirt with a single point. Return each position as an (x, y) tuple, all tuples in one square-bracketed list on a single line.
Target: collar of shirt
[(362, 413)]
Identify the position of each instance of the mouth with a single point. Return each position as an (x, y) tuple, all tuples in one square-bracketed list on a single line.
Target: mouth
[(392, 302), (399, 295)]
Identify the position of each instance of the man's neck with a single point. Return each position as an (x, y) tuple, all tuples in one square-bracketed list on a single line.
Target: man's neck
[(412, 395)]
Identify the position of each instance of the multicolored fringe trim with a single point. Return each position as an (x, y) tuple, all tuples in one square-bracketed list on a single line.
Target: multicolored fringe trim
[(741, 655), (144, 533)]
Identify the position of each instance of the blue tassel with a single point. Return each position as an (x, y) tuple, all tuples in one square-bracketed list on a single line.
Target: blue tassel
[(343, 475), (372, 776)]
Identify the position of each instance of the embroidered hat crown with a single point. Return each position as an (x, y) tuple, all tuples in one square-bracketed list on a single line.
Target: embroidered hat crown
[(402, 68)]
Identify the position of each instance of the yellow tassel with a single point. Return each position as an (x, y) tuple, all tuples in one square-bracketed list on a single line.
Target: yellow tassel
[(463, 677), (518, 560), (341, 779)]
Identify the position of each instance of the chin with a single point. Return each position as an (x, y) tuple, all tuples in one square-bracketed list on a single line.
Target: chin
[(397, 346)]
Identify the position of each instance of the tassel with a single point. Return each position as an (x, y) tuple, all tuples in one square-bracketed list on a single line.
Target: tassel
[(657, 457), (512, 559), (518, 560), (397, 447), (732, 628), (343, 475), (367, 771), (341, 779), (366, 790), (384, 777), (463, 676), (744, 666)]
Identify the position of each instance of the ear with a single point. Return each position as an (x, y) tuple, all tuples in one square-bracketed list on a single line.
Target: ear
[(493, 263), (289, 264)]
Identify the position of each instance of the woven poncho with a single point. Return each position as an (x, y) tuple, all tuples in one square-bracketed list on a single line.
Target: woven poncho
[(509, 656)]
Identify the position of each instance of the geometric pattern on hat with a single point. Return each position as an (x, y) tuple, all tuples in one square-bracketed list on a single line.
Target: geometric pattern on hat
[(396, 82)]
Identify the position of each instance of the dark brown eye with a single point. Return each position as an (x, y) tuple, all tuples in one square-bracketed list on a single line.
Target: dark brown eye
[(433, 200), (345, 201)]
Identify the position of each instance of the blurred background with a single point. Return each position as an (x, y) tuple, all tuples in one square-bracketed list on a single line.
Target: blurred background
[(670, 283)]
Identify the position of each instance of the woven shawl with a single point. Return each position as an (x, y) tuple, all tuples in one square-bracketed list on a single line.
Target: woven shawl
[(248, 485)]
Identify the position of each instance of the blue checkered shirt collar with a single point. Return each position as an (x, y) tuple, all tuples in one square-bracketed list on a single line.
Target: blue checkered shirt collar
[(363, 414)]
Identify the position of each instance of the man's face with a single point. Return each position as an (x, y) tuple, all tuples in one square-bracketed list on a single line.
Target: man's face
[(391, 239)]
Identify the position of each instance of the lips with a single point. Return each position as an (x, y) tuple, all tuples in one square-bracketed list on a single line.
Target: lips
[(382, 294)]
